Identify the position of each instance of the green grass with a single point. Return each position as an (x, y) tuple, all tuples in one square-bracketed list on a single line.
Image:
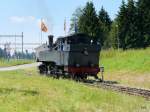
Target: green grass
[(13, 62), (130, 67), (26, 91)]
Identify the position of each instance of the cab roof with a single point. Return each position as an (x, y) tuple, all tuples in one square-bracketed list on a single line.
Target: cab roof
[(76, 38)]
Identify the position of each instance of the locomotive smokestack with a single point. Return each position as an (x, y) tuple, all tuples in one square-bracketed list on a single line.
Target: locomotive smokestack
[(50, 40)]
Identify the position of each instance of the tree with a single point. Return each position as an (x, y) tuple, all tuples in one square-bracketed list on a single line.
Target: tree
[(132, 32), (127, 25), (144, 21), (89, 24), (122, 25), (75, 19), (2, 53), (104, 18), (134, 24), (105, 23)]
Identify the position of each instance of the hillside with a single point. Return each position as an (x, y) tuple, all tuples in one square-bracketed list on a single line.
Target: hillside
[(130, 67), (26, 91)]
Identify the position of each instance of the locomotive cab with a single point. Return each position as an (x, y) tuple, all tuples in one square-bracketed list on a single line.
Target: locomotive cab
[(83, 55)]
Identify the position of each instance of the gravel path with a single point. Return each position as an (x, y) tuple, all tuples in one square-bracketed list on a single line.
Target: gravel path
[(19, 67)]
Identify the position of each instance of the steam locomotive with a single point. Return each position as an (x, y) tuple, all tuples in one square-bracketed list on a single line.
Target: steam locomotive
[(75, 56)]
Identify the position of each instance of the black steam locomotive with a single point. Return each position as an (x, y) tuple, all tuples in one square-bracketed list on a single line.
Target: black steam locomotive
[(75, 56)]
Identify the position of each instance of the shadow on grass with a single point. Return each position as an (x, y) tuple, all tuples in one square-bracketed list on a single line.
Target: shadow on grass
[(14, 90)]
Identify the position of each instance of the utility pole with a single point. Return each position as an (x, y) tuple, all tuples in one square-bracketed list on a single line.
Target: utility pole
[(15, 36), (22, 42), (15, 42)]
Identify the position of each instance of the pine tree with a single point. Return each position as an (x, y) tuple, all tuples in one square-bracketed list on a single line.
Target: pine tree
[(128, 26), (144, 21), (88, 23), (132, 32), (122, 26), (105, 24), (104, 18)]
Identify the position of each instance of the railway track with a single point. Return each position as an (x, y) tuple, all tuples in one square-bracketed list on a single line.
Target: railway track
[(128, 90)]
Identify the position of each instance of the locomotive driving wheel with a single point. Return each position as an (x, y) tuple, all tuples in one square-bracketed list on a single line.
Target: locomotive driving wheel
[(43, 69)]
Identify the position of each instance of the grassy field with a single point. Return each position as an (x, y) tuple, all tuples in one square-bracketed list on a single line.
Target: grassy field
[(26, 91), (130, 67), (13, 62)]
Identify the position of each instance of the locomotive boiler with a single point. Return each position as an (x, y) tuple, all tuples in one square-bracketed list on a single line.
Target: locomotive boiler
[(75, 56)]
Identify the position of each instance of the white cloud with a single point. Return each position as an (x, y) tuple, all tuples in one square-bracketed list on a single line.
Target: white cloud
[(22, 19)]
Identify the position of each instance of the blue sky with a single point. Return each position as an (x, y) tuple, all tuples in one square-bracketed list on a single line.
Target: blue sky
[(24, 15)]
